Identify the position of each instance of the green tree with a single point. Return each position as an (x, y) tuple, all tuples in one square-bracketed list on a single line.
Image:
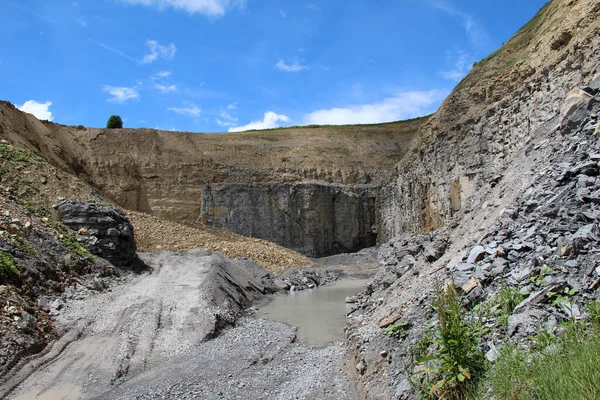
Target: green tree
[(114, 122)]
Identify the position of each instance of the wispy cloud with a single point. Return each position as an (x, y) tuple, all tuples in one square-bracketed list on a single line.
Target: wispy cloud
[(40, 110), (231, 106), (211, 8), (116, 51), (158, 51), (121, 94), (462, 66), (402, 106), (292, 65), (475, 32), (270, 120), (161, 75), (226, 120), (81, 22), (188, 110), (164, 89), (282, 13)]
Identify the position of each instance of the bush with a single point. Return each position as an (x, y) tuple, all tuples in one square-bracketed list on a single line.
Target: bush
[(114, 122)]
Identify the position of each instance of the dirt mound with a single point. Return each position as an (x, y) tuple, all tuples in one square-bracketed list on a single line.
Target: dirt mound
[(156, 234)]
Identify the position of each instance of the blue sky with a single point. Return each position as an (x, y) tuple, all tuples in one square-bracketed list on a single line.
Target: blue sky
[(219, 65)]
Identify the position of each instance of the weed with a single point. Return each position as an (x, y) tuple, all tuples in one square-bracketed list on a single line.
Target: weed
[(36, 210), (507, 300), (593, 310), (457, 363), (397, 330), (540, 279)]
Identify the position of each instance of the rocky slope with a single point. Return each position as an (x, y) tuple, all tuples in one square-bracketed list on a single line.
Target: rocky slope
[(508, 163)]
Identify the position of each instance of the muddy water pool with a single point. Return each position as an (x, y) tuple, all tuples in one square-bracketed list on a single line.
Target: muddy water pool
[(319, 314)]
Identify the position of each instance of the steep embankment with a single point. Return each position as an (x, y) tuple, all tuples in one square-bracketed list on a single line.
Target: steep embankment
[(468, 143), (166, 173), (501, 164)]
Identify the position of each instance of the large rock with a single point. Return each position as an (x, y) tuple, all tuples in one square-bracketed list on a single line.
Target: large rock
[(104, 230), (316, 218)]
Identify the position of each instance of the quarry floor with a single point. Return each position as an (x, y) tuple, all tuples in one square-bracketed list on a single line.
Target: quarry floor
[(158, 336)]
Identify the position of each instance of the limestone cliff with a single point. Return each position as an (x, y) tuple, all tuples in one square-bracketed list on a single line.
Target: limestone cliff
[(316, 219)]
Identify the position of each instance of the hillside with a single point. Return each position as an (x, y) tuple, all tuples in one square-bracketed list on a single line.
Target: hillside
[(164, 172)]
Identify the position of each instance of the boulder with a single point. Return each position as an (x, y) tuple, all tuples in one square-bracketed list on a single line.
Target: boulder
[(108, 232)]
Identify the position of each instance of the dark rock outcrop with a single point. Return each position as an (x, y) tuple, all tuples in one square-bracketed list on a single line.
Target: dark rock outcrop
[(316, 219), (104, 230)]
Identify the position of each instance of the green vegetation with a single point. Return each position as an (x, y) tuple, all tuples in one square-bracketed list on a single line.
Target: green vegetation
[(455, 362), (558, 367), (18, 156), (558, 363), (506, 300), (8, 267), (68, 239), (397, 330), (114, 122)]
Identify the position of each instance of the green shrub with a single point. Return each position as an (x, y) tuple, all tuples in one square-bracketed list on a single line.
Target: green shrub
[(114, 122)]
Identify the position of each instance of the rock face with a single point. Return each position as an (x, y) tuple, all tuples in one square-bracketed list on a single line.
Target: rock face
[(104, 230), (469, 143), (506, 175), (316, 219)]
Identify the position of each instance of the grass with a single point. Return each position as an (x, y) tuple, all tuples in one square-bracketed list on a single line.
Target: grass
[(569, 370)]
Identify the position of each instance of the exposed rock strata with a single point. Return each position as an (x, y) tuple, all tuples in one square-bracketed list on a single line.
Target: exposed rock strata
[(316, 219), (104, 230)]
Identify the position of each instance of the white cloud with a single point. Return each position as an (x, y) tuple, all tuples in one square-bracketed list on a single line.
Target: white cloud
[(462, 66), (270, 120), (211, 8), (404, 105), (161, 75), (292, 65), (81, 22), (226, 120), (231, 106), (164, 89), (40, 110), (158, 51), (189, 110), (121, 94)]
